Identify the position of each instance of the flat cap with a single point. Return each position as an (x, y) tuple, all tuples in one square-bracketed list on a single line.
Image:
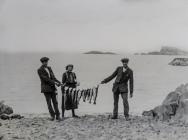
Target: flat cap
[(44, 59), (69, 65), (126, 60)]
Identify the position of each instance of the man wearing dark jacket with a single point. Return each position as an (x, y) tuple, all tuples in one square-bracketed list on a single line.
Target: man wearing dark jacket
[(48, 82), (124, 75)]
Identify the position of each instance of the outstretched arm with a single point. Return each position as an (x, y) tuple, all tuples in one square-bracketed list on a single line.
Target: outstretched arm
[(110, 77)]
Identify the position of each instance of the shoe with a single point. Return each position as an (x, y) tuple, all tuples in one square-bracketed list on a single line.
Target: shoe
[(58, 118), (114, 117), (127, 118), (52, 118), (75, 116)]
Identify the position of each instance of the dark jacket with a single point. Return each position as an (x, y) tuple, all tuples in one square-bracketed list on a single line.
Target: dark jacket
[(121, 80), (47, 82), (67, 81)]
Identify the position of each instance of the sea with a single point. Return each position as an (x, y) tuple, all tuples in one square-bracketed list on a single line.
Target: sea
[(153, 80)]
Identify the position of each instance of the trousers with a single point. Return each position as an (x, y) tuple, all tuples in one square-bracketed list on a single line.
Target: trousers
[(125, 103), (51, 98)]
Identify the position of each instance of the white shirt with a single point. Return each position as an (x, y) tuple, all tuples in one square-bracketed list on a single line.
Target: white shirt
[(47, 71), (124, 69)]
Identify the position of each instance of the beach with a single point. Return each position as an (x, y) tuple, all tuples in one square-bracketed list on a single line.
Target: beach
[(92, 127)]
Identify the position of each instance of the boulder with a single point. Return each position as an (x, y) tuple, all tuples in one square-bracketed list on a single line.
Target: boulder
[(179, 62), (6, 112), (5, 109), (174, 105), (16, 116), (4, 117)]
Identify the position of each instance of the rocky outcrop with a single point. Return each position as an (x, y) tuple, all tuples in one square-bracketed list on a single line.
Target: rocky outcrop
[(179, 62), (167, 51), (6, 112), (5, 109), (174, 105)]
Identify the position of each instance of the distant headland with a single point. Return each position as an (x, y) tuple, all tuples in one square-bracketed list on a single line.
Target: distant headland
[(166, 50), (99, 52)]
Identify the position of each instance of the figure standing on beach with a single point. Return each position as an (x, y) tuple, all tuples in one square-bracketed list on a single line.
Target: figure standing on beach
[(48, 87), (69, 81), (123, 75)]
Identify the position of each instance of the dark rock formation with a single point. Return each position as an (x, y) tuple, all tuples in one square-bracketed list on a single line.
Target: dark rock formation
[(179, 62), (4, 109), (174, 105), (6, 112)]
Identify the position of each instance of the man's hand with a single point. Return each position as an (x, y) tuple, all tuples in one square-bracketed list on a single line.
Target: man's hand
[(131, 95), (102, 82), (58, 84)]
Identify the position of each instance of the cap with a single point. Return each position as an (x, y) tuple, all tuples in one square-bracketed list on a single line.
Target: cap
[(44, 59), (126, 60)]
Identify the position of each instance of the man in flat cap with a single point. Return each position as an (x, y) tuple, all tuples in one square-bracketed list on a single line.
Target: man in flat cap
[(48, 87), (124, 75)]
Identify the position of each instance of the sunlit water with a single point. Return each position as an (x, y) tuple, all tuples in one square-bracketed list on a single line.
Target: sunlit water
[(153, 80)]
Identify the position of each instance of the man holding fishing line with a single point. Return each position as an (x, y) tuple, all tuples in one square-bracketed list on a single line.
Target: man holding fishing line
[(124, 75)]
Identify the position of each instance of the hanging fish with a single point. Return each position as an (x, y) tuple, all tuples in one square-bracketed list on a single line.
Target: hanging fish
[(88, 94), (74, 99), (72, 94), (76, 96), (84, 95), (95, 94), (80, 93), (91, 95)]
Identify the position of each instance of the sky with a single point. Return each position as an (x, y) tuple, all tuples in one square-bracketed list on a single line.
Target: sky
[(82, 25)]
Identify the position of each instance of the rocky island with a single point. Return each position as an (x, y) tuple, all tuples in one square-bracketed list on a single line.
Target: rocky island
[(166, 51), (99, 52)]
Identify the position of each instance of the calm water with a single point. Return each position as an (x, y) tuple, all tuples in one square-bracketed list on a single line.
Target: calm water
[(154, 79)]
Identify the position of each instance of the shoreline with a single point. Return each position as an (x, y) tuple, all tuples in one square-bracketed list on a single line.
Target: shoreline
[(38, 126)]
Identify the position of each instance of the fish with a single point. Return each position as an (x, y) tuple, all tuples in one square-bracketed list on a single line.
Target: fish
[(95, 94), (91, 96)]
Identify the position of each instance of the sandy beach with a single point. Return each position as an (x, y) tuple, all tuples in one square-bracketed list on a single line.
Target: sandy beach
[(92, 127)]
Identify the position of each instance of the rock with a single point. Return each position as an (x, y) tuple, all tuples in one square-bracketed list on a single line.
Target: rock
[(4, 109), (1, 137), (4, 117), (16, 116), (148, 113), (179, 62), (175, 104), (182, 111), (163, 112), (172, 98), (6, 112)]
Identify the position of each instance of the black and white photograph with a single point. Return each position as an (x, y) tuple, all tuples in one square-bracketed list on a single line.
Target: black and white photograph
[(93, 70)]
